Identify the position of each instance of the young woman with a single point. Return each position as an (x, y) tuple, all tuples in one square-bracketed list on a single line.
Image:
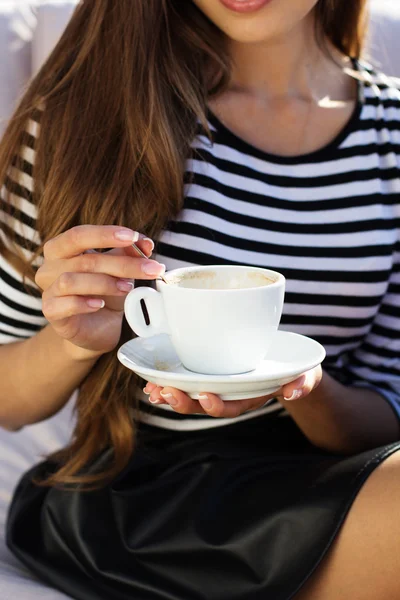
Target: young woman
[(229, 132)]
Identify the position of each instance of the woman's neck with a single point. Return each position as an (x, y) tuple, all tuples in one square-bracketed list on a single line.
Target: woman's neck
[(286, 67)]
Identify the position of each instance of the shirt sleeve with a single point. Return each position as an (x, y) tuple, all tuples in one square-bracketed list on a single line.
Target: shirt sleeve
[(376, 363), (20, 300)]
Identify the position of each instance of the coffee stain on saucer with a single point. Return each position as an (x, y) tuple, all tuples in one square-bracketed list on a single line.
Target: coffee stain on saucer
[(161, 365)]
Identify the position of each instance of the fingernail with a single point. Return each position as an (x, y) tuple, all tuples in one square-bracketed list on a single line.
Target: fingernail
[(95, 303), (166, 396), (153, 268), (205, 401), (124, 286), (301, 381), (156, 401), (126, 235), (145, 391), (295, 396), (150, 241)]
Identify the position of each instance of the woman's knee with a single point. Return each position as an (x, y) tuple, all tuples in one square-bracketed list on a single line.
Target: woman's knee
[(364, 560)]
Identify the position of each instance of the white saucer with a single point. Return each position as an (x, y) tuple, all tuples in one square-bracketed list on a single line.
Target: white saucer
[(155, 360)]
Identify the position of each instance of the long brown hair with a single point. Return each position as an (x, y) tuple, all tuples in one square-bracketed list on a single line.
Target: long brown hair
[(123, 91)]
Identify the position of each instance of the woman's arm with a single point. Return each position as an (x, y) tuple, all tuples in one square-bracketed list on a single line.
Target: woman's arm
[(351, 418), (37, 376), (343, 419), (83, 299)]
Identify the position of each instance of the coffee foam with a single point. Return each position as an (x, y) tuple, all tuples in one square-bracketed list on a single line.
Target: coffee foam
[(221, 280)]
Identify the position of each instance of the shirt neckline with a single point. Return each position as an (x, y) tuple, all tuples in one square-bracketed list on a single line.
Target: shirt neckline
[(226, 135)]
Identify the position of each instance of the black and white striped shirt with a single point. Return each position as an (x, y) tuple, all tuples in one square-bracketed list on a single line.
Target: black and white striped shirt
[(329, 221)]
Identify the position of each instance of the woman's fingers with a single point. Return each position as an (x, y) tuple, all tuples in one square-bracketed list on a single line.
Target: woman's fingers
[(78, 293), (59, 308), (177, 399), (303, 385), (121, 267), (149, 387), (153, 392), (81, 284), (209, 404), (78, 239), (212, 405), (145, 244), (73, 252), (215, 407), (180, 402)]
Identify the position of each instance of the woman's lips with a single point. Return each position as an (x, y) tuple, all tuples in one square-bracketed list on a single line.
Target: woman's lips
[(244, 6)]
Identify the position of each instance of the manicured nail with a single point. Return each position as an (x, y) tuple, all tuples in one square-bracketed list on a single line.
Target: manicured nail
[(166, 396), (126, 235), (156, 401), (95, 303), (150, 241), (295, 396), (145, 391), (124, 286), (205, 401), (151, 267)]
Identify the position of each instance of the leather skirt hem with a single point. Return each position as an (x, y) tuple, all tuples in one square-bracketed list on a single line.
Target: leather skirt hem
[(242, 512)]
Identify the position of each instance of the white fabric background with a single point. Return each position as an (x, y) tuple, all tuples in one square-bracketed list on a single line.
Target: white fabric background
[(18, 452), (28, 31), (384, 37)]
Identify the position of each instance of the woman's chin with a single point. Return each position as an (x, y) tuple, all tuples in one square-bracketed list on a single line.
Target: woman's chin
[(253, 33)]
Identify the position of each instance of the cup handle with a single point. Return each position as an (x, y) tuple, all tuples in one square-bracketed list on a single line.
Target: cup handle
[(155, 309)]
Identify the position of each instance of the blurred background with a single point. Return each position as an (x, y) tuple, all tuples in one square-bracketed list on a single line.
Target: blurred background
[(30, 28)]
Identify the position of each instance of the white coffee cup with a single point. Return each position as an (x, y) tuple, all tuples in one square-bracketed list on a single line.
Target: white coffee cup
[(221, 319)]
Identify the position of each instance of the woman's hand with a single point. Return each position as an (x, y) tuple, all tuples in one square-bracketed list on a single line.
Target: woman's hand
[(212, 405), (84, 290)]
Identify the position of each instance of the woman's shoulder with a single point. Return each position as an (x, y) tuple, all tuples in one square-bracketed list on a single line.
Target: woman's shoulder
[(19, 181), (18, 206), (379, 88)]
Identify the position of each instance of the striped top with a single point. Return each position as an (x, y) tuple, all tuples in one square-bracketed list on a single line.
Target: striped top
[(329, 221)]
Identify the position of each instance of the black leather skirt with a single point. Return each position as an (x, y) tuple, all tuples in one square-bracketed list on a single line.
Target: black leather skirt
[(241, 512)]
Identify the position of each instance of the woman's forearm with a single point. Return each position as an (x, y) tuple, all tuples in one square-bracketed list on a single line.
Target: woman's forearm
[(344, 419), (38, 376)]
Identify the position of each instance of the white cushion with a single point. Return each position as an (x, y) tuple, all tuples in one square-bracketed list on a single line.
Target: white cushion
[(384, 36), (18, 452)]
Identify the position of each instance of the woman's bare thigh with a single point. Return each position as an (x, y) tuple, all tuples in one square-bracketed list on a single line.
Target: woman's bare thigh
[(364, 560)]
